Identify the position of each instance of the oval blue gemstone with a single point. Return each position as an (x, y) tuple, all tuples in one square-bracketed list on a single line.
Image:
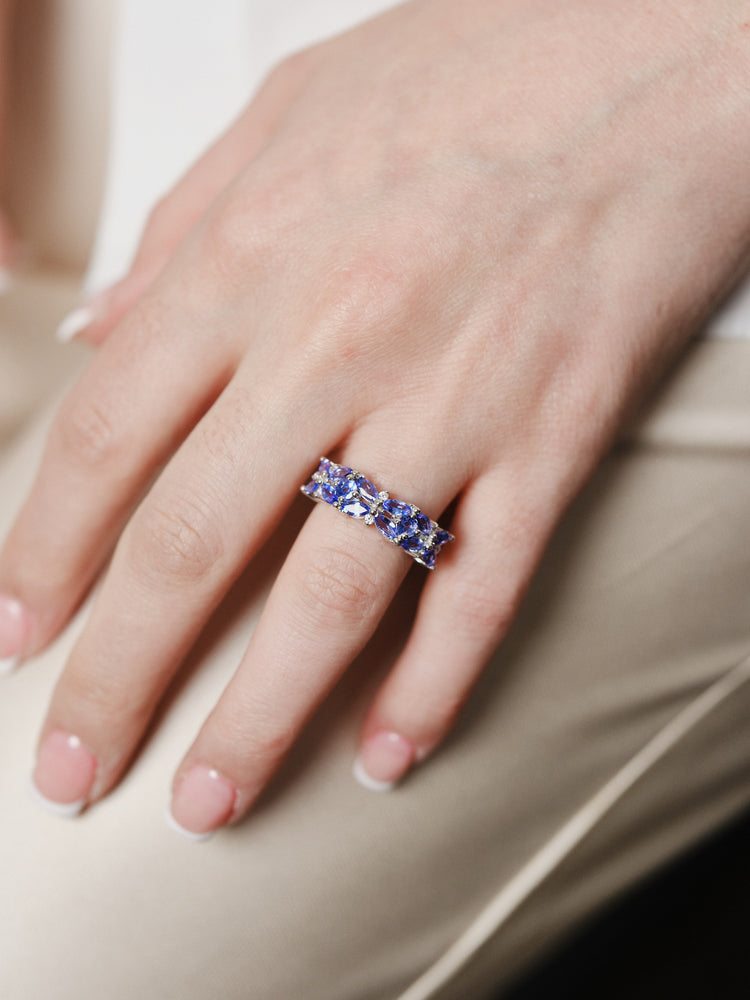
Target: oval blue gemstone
[(310, 488), (424, 524), (338, 471), (355, 508), (412, 544), (387, 526), (325, 467), (367, 490), (442, 537), (409, 526), (327, 492), (397, 509), (345, 489)]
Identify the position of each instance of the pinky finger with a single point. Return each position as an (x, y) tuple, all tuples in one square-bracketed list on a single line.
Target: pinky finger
[(464, 613)]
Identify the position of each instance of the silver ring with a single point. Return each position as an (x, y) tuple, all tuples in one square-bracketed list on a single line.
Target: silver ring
[(401, 523)]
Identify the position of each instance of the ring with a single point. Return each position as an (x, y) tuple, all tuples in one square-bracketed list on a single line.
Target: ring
[(401, 523)]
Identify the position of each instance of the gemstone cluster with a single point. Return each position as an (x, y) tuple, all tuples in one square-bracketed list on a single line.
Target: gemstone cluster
[(401, 523)]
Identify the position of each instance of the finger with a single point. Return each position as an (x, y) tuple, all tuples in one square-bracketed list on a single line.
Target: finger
[(132, 406), (465, 611), (177, 213), (211, 508), (328, 599)]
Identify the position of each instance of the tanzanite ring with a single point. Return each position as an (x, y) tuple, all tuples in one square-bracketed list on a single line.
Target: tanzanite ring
[(401, 523)]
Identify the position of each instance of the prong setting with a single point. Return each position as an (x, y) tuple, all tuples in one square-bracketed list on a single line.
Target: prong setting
[(355, 495)]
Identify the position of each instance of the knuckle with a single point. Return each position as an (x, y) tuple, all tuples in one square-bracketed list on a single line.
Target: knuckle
[(254, 228), (87, 432), (368, 291), (177, 541), (357, 302), (241, 236), (225, 236), (288, 71), (336, 589)]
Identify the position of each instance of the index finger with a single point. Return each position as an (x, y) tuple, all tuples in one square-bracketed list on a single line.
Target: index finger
[(134, 403)]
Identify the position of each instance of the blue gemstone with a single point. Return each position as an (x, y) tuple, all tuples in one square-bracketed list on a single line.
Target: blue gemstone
[(327, 492), (412, 544), (344, 488), (355, 508), (424, 524), (338, 471), (387, 526), (310, 488), (397, 509), (367, 490), (428, 557), (409, 526), (324, 467), (442, 537)]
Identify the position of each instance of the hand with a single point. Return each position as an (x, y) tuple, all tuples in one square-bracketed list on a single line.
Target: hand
[(451, 248)]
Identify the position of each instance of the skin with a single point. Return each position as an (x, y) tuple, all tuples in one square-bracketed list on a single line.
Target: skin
[(453, 248)]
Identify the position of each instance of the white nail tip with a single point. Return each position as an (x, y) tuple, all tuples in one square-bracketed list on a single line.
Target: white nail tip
[(9, 664), (73, 323), (65, 810), (366, 781), (172, 822)]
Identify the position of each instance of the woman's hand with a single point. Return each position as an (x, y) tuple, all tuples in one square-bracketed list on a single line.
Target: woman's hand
[(450, 248)]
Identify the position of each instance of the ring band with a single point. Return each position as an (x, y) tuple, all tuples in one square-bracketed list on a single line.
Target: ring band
[(401, 523)]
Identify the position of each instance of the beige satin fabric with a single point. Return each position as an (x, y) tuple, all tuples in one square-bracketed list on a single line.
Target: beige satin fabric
[(331, 892)]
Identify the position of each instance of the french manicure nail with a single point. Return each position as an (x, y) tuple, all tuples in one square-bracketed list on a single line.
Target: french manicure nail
[(384, 759), (203, 801), (15, 630), (74, 323), (64, 774), (8, 664)]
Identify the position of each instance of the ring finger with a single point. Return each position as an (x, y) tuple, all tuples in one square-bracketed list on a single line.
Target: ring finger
[(330, 595)]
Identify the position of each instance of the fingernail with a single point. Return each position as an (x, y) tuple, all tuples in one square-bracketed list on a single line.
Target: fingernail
[(77, 320), (64, 774), (15, 630), (384, 759), (202, 801), (74, 323)]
